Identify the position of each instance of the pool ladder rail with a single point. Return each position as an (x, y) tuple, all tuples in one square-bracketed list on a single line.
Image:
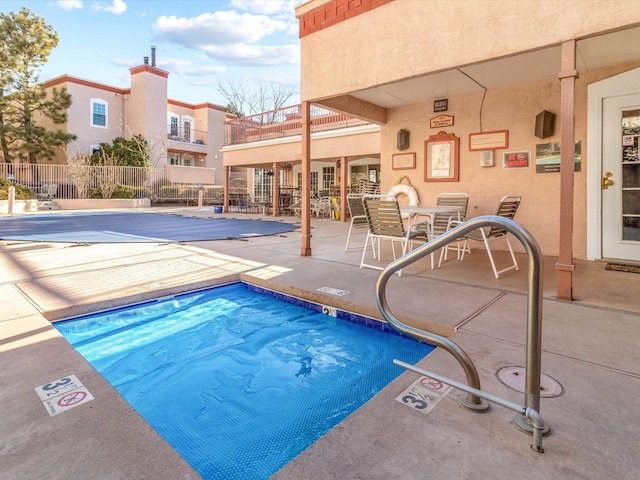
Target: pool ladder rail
[(528, 418)]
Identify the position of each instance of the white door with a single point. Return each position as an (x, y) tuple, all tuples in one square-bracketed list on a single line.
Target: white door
[(620, 183)]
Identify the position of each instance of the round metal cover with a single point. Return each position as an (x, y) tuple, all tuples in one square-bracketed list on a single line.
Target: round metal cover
[(514, 377)]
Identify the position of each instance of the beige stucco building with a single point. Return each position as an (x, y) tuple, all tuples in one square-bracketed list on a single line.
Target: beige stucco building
[(499, 65), (178, 133)]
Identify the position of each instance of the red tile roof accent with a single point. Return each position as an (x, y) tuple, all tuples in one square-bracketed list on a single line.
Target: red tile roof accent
[(334, 12)]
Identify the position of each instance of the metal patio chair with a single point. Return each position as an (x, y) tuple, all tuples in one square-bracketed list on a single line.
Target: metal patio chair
[(441, 222), (507, 208), (385, 222), (357, 214)]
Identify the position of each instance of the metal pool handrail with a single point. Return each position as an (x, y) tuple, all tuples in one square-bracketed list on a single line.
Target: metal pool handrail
[(528, 413)]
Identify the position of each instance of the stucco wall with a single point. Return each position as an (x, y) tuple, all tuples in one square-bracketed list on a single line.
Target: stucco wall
[(328, 145), (79, 123), (406, 38), (513, 109)]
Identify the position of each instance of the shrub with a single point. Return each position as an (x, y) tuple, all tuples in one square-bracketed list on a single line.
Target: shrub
[(22, 192), (123, 191)]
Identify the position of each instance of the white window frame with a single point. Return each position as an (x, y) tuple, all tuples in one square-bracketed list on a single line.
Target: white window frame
[(172, 116), (187, 119), (99, 101), (94, 148)]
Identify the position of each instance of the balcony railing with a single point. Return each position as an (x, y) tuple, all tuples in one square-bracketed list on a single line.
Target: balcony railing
[(186, 135), (284, 122)]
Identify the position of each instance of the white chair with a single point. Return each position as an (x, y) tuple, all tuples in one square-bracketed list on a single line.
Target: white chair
[(385, 223), (441, 222), (507, 208), (48, 192), (357, 214)]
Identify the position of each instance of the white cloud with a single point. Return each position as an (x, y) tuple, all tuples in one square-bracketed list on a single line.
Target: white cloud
[(186, 67), (117, 7), (69, 4), (255, 55), (218, 28), (267, 7)]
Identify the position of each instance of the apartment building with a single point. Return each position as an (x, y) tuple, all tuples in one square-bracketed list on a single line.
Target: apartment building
[(178, 133)]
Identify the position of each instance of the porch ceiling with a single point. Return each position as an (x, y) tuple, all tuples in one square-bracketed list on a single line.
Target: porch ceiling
[(593, 52)]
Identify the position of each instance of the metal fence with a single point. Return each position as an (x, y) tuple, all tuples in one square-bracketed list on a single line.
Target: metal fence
[(284, 122), (171, 183)]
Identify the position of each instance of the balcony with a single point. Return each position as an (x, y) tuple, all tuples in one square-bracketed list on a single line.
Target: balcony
[(284, 122), (186, 140)]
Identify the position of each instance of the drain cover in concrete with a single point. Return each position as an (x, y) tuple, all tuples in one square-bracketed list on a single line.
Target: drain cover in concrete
[(514, 377)]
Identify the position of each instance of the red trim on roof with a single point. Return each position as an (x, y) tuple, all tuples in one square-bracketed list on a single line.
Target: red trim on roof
[(333, 12)]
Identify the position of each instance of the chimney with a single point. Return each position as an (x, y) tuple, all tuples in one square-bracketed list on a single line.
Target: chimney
[(153, 55), (146, 60)]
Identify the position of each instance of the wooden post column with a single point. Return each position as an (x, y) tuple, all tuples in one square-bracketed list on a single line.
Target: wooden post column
[(344, 168), (568, 75), (225, 193), (305, 199)]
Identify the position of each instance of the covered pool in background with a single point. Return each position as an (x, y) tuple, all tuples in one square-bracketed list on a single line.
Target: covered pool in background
[(133, 227), (240, 382)]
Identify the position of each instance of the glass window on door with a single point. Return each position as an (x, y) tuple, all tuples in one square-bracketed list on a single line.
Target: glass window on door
[(630, 175)]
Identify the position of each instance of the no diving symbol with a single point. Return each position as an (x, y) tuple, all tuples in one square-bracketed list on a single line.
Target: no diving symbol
[(430, 383), (72, 398)]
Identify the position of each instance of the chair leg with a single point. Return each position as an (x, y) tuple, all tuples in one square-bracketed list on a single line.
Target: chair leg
[(497, 272), (348, 237)]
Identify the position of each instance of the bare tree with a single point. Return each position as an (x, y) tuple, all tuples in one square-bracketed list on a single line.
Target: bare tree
[(243, 101)]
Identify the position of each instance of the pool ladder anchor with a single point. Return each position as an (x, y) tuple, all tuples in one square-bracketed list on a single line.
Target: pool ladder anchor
[(528, 418)]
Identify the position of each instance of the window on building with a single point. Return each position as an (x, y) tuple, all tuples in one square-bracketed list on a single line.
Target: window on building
[(93, 149), (187, 129), (314, 182), (262, 184), (188, 160), (299, 179), (173, 126), (174, 159), (99, 112), (328, 177)]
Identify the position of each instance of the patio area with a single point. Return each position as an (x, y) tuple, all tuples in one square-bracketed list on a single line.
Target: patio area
[(589, 349)]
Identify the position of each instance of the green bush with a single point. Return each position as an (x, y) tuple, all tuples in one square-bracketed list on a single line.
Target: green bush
[(123, 191), (22, 192)]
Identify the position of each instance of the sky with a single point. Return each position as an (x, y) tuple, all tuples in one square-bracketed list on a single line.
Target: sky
[(201, 43)]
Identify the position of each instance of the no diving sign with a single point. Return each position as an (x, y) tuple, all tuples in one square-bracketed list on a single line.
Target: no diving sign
[(63, 394)]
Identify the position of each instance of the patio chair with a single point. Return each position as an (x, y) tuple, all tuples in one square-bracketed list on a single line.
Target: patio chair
[(48, 192), (441, 222), (357, 214), (444, 221), (507, 208), (321, 207), (385, 222), (242, 206)]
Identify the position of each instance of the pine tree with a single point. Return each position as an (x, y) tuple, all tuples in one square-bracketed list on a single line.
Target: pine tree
[(24, 104)]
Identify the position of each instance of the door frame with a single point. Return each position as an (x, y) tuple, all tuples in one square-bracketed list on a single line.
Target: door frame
[(627, 83)]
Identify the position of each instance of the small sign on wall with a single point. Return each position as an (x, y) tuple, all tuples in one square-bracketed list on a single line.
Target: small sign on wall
[(441, 121), (517, 159), (440, 105)]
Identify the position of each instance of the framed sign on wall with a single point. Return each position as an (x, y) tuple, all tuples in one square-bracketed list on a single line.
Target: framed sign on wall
[(403, 161), (442, 158)]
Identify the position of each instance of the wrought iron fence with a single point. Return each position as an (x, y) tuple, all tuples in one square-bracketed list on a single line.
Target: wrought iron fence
[(163, 184)]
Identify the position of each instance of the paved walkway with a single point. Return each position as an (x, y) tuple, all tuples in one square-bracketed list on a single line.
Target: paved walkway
[(589, 348)]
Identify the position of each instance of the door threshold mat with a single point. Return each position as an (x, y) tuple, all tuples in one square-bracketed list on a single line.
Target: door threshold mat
[(623, 267)]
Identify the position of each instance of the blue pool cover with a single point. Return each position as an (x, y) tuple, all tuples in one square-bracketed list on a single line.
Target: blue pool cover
[(239, 383), (133, 228)]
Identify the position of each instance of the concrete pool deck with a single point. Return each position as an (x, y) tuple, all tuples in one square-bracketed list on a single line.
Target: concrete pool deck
[(590, 347)]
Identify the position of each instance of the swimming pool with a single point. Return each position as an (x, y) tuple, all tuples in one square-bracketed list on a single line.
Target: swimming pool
[(238, 379)]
